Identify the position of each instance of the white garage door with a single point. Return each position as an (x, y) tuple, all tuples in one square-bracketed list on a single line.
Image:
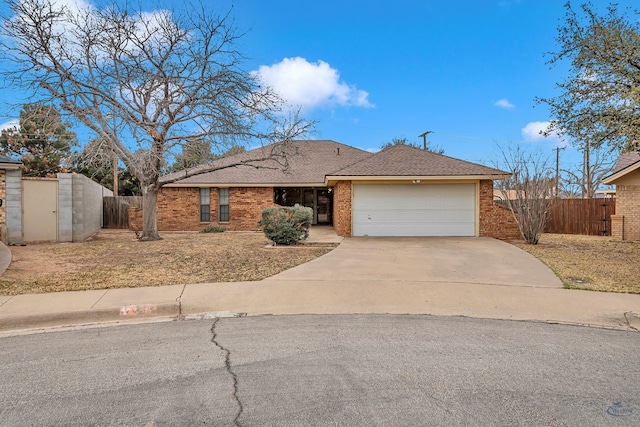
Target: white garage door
[(414, 210)]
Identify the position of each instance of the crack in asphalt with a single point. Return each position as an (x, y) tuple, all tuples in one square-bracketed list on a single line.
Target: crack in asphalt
[(629, 325), (227, 365)]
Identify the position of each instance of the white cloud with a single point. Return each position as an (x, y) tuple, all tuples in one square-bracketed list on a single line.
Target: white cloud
[(77, 17), (532, 133), (309, 85), (504, 103), (12, 124)]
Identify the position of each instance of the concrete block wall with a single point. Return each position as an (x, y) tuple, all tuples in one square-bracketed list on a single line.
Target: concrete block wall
[(79, 207), (65, 207), (86, 197), (13, 206), (3, 209)]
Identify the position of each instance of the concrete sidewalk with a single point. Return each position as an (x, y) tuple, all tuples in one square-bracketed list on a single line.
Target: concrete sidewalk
[(473, 277), (321, 297)]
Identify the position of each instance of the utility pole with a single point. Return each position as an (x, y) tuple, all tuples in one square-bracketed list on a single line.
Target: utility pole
[(558, 170), (424, 138), (587, 172)]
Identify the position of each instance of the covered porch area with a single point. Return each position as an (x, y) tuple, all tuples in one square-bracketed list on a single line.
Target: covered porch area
[(320, 199)]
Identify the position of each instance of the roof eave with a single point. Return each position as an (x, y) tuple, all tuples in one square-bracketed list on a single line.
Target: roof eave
[(616, 176), (10, 166), (241, 184), (334, 178)]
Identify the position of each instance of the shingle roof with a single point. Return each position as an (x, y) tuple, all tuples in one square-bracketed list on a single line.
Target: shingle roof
[(403, 160), (5, 159), (306, 162), (309, 162), (625, 160)]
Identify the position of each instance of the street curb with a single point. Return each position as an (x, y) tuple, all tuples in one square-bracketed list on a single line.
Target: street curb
[(123, 313), (633, 320)]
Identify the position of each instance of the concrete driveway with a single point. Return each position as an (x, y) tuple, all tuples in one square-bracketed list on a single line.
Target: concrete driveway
[(426, 259)]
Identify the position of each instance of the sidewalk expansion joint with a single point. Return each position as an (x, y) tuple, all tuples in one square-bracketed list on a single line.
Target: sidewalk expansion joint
[(227, 365), (99, 299), (3, 303)]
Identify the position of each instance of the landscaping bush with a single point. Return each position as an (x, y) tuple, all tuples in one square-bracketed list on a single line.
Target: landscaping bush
[(213, 229), (286, 225)]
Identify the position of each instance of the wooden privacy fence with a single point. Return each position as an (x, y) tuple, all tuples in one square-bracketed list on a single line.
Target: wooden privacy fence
[(581, 216), (115, 210)]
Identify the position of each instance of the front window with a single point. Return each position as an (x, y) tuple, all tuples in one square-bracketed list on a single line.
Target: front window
[(285, 196), (223, 204), (205, 205)]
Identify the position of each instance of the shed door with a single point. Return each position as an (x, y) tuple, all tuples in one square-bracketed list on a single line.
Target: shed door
[(40, 210), (414, 210)]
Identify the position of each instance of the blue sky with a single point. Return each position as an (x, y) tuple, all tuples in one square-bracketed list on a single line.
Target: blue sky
[(370, 71)]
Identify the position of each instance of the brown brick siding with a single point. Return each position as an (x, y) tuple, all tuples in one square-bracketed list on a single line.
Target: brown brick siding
[(495, 220), (342, 208), (617, 227), (179, 209), (625, 224), (246, 206)]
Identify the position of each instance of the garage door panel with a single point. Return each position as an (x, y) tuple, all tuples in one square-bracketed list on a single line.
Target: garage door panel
[(414, 210)]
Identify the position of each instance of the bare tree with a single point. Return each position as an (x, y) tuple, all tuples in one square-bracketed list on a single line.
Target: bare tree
[(529, 190), (144, 82), (583, 181), (96, 161)]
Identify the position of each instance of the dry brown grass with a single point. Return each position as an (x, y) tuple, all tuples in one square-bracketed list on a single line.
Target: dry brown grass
[(590, 262), (115, 259)]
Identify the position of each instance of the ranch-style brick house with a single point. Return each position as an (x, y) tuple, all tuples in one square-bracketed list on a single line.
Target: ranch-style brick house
[(399, 191), (625, 224)]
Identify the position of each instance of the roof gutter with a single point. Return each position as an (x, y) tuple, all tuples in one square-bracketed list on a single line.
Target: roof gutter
[(330, 179), (242, 184)]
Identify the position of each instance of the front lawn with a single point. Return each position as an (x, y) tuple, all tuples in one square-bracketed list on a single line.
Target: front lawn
[(590, 262), (115, 259)]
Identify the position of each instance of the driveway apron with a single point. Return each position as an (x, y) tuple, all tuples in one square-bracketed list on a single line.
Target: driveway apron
[(426, 259)]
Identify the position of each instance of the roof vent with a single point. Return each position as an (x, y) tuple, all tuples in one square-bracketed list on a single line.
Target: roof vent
[(338, 150)]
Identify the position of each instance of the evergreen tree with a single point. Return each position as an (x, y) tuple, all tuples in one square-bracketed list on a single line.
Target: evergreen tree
[(41, 141)]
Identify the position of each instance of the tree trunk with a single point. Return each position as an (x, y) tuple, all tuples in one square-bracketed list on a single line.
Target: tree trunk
[(149, 217)]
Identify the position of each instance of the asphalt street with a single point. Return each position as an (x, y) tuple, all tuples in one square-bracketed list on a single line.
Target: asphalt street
[(374, 370)]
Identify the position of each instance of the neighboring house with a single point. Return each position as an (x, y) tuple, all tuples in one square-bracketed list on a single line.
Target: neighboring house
[(504, 194), (400, 191), (625, 224)]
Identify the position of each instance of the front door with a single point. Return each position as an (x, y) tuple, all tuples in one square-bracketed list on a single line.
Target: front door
[(40, 210), (324, 206), (320, 202)]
